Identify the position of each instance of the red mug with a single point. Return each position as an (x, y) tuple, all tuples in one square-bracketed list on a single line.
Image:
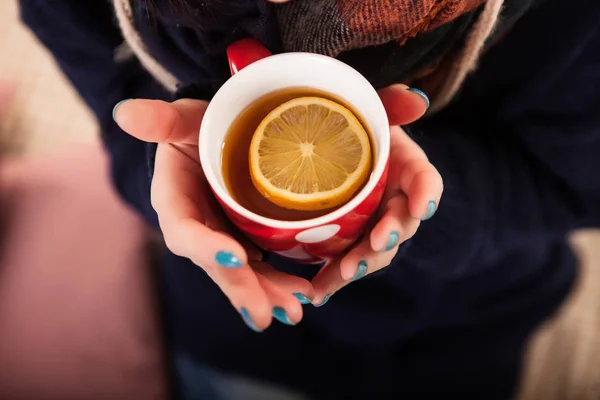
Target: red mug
[(255, 73)]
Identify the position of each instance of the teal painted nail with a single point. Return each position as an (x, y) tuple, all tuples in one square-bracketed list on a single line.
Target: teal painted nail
[(281, 316), (248, 319), (421, 93), (117, 106), (392, 241), (361, 270), (302, 298), (431, 209), (228, 260), (325, 300)]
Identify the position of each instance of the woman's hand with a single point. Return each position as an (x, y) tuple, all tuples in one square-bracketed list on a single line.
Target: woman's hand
[(194, 227), (192, 222), (7, 92), (412, 194)]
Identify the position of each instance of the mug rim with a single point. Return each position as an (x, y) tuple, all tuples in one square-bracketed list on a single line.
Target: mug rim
[(224, 195)]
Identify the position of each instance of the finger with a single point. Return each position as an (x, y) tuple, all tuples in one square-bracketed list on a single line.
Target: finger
[(300, 288), (373, 252), (413, 174), (284, 306), (403, 104), (157, 121), (362, 260), (402, 147), (225, 262), (202, 206), (179, 196), (395, 226), (326, 282), (424, 186), (215, 219), (252, 251)]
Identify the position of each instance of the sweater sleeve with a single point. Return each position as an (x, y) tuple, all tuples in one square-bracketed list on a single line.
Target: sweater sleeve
[(83, 37), (522, 173)]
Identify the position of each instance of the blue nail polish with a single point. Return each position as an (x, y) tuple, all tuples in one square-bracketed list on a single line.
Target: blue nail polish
[(361, 270), (431, 209), (248, 320), (117, 106), (325, 300), (302, 298), (421, 93), (280, 315), (392, 241), (228, 260)]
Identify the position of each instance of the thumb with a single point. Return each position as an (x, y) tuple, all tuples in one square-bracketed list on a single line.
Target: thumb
[(157, 121)]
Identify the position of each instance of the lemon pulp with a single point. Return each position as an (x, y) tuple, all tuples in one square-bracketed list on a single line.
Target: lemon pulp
[(310, 154)]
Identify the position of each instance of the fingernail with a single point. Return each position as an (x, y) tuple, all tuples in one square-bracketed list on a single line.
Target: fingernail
[(248, 319), (117, 106), (361, 270), (431, 209), (392, 241), (228, 260), (302, 298), (280, 315), (325, 300), (420, 93)]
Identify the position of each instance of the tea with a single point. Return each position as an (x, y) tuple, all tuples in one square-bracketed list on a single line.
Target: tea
[(235, 158)]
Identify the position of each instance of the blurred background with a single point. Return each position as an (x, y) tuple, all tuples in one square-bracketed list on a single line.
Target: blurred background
[(78, 314)]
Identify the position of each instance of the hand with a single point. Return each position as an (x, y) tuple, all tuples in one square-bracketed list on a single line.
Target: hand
[(192, 222), (413, 191), (7, 92)]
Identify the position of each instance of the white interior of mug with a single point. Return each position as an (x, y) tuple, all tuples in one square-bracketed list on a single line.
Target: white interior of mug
[(279, 72)]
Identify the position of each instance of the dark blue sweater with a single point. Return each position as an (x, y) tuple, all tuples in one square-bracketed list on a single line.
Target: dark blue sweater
[(519, 152)]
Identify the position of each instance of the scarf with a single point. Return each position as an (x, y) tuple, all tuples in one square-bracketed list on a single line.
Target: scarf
[(331, 27), (432, 44)]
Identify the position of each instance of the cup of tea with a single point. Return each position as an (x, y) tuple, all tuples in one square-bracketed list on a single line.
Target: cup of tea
[(261, 82)]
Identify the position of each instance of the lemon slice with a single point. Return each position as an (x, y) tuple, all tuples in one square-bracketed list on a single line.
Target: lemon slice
[(310, 154)]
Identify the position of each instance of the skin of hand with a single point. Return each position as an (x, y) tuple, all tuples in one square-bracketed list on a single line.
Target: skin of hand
[(412, 195), (7, 92), (194, 226)]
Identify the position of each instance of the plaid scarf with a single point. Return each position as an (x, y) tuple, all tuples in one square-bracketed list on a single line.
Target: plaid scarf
[(388, 41), (331, 27)]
